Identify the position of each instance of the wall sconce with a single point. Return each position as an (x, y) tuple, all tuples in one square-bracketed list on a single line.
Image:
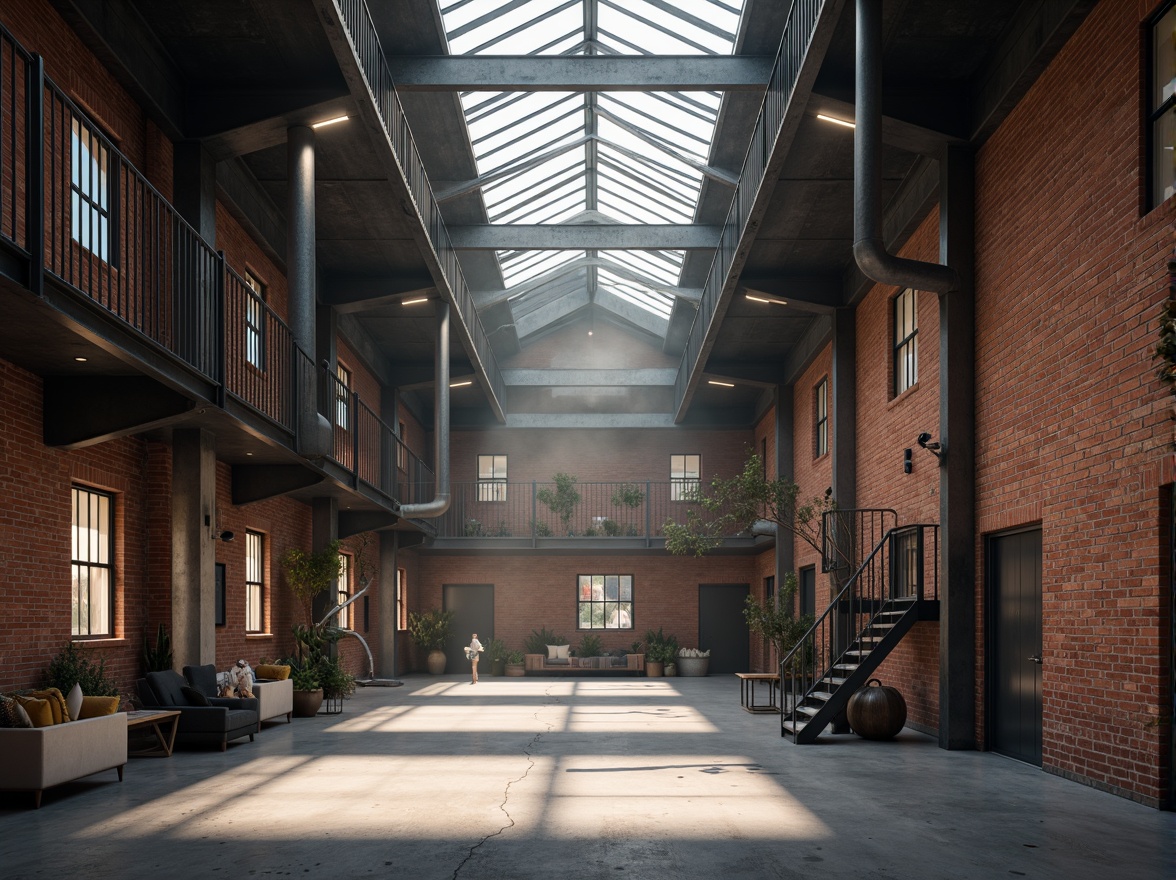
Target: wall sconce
[(215, 533), (906, 461), (935, 448)]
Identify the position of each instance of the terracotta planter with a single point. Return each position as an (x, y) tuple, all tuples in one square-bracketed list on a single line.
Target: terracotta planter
[(515, 670), (307, 703), (436, 662), (654, 668)]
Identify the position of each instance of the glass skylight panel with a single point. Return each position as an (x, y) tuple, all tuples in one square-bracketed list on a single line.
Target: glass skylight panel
[(623, 157)]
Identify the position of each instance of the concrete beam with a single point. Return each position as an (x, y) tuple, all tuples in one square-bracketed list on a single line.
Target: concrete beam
[(581, 73), (595, 378), (353, 522), (618, 236), (257, 482), (83, 410)]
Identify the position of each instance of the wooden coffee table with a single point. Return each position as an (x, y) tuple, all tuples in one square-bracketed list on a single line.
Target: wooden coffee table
[(747, 682), (164, 722)]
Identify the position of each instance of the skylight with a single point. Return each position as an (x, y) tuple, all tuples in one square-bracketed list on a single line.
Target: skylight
[(597, 157)]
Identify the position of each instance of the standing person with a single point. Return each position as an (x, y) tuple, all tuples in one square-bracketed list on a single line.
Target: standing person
[(472, 652)]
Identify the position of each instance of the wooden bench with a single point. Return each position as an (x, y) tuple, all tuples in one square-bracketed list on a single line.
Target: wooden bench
[(537, 663), (747, 682)]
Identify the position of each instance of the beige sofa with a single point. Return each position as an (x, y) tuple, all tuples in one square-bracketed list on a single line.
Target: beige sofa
[(36, 758), (274, 698)]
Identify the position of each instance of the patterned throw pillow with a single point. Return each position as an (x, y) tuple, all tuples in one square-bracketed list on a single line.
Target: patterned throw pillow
[(11, 714)]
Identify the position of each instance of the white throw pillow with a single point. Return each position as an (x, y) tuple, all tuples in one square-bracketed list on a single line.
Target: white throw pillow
[(553, 652), (561, 652), (73, 701)]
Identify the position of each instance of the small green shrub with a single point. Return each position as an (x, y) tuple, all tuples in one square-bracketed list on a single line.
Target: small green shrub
[(539, 639), (590, 646), (73, 666)]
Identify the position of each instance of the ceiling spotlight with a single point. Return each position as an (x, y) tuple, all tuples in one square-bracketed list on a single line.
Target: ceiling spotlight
[(766, 299), (723, 384), (414, 302), (327, 122), (836, 121), (81, 360)]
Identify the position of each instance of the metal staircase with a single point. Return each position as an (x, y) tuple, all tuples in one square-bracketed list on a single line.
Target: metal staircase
[(896, 586)]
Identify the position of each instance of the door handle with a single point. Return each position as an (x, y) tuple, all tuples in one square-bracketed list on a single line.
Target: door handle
[(1036, 658)]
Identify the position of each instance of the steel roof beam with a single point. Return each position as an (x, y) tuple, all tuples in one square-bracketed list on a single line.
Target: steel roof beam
[(617, 236), (581, 73)]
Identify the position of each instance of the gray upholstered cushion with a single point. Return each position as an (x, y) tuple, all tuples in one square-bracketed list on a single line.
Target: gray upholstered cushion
[(168, 688), (203, 678)]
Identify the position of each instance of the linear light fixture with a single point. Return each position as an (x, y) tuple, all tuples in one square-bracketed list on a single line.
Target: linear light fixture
[(327, 122), (414, 302), (461, 384), (723, 384), (767, 299), (836, 121)]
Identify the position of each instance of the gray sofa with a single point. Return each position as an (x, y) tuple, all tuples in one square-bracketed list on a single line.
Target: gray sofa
[(223, 720), (274, 698)]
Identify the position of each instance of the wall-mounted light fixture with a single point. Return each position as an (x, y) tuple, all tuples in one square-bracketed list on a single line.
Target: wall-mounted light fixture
[(216, 532), (934, 447), (907, 465)]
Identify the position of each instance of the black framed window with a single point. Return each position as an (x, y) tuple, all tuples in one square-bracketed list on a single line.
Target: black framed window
[(342, 397), (254, 582), (685, 477), (821, 418), (92, 564), (770, 590), (91, 190), (605, 601), (343, 592), (255, 322), (1162, 105), (808, 590), (401, 457), (906, 341), (220, 594), (491, 477)]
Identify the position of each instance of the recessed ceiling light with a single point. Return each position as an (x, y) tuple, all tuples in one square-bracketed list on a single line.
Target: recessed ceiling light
[(326, 122), (836, 121), (81, 360), (413, 302), (724, 384), (461, 384), (249, 453), (766, 299)]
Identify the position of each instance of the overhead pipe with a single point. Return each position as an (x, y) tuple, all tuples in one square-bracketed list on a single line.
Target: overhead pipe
[(440, 502), (869, 250)]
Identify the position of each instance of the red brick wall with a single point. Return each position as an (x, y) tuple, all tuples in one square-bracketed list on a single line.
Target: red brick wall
[(535, 591), (1072, 427), (811, 473), (35, 539)]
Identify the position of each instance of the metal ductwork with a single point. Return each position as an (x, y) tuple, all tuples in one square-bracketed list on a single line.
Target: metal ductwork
[(440, 502), (764, 528), (869, 250)]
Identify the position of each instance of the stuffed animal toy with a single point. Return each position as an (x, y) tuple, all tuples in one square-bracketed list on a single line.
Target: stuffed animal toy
[(241, 678)]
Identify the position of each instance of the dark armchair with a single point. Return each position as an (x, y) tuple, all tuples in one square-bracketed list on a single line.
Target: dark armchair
[(215, 721)]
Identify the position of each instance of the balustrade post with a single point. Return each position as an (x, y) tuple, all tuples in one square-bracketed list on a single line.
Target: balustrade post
[(355, 438), (220, 330), (35, 173), (648, 514), (534, 513)]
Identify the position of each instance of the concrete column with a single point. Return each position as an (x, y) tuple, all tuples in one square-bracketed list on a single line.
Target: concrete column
[(193, 493), (387, 624), (957, 471), (194, 187), (785, 442), (843, 414)]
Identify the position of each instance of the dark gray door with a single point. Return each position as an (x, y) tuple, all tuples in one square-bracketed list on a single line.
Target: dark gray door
[(1015, 645), (473, 612), (722, 627)]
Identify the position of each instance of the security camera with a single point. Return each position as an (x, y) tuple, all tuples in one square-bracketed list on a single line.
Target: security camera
[(923, 438), (226, 536), (933, 446)]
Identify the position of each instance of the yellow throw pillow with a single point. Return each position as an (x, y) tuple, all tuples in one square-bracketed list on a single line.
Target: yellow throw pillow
[(275, 671), (92, 707), (56, 703), (37, 710)]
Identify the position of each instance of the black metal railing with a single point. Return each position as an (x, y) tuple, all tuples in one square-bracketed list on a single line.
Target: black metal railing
[(365, 43), (848, 536), (902, 568), (634, 509), (76, 208), (798, 33)]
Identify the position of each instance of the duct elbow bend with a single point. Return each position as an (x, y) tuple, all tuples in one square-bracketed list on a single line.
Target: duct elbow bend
[(764, 527), (879, 265), (428, 510)]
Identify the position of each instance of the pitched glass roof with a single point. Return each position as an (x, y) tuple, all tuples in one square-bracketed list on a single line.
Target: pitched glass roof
[(596, 157)]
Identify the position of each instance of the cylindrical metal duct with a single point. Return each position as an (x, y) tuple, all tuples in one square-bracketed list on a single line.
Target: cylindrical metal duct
[(868, 247)]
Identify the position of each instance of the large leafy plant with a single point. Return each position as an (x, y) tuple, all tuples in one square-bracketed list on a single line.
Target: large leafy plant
[(74, 666), (430, 629)]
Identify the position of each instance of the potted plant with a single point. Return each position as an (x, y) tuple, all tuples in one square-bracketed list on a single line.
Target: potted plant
[(591, 647), (308, 693), (497, 653), (430, 631), (660, 649), (514, 664), (693, 662)]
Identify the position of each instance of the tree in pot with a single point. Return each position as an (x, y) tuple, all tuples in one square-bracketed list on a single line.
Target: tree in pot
[(430, 630), (514, 664), (309, 574)]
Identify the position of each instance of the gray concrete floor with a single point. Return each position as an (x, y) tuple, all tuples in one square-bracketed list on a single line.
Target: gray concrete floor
[(577, 779)]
